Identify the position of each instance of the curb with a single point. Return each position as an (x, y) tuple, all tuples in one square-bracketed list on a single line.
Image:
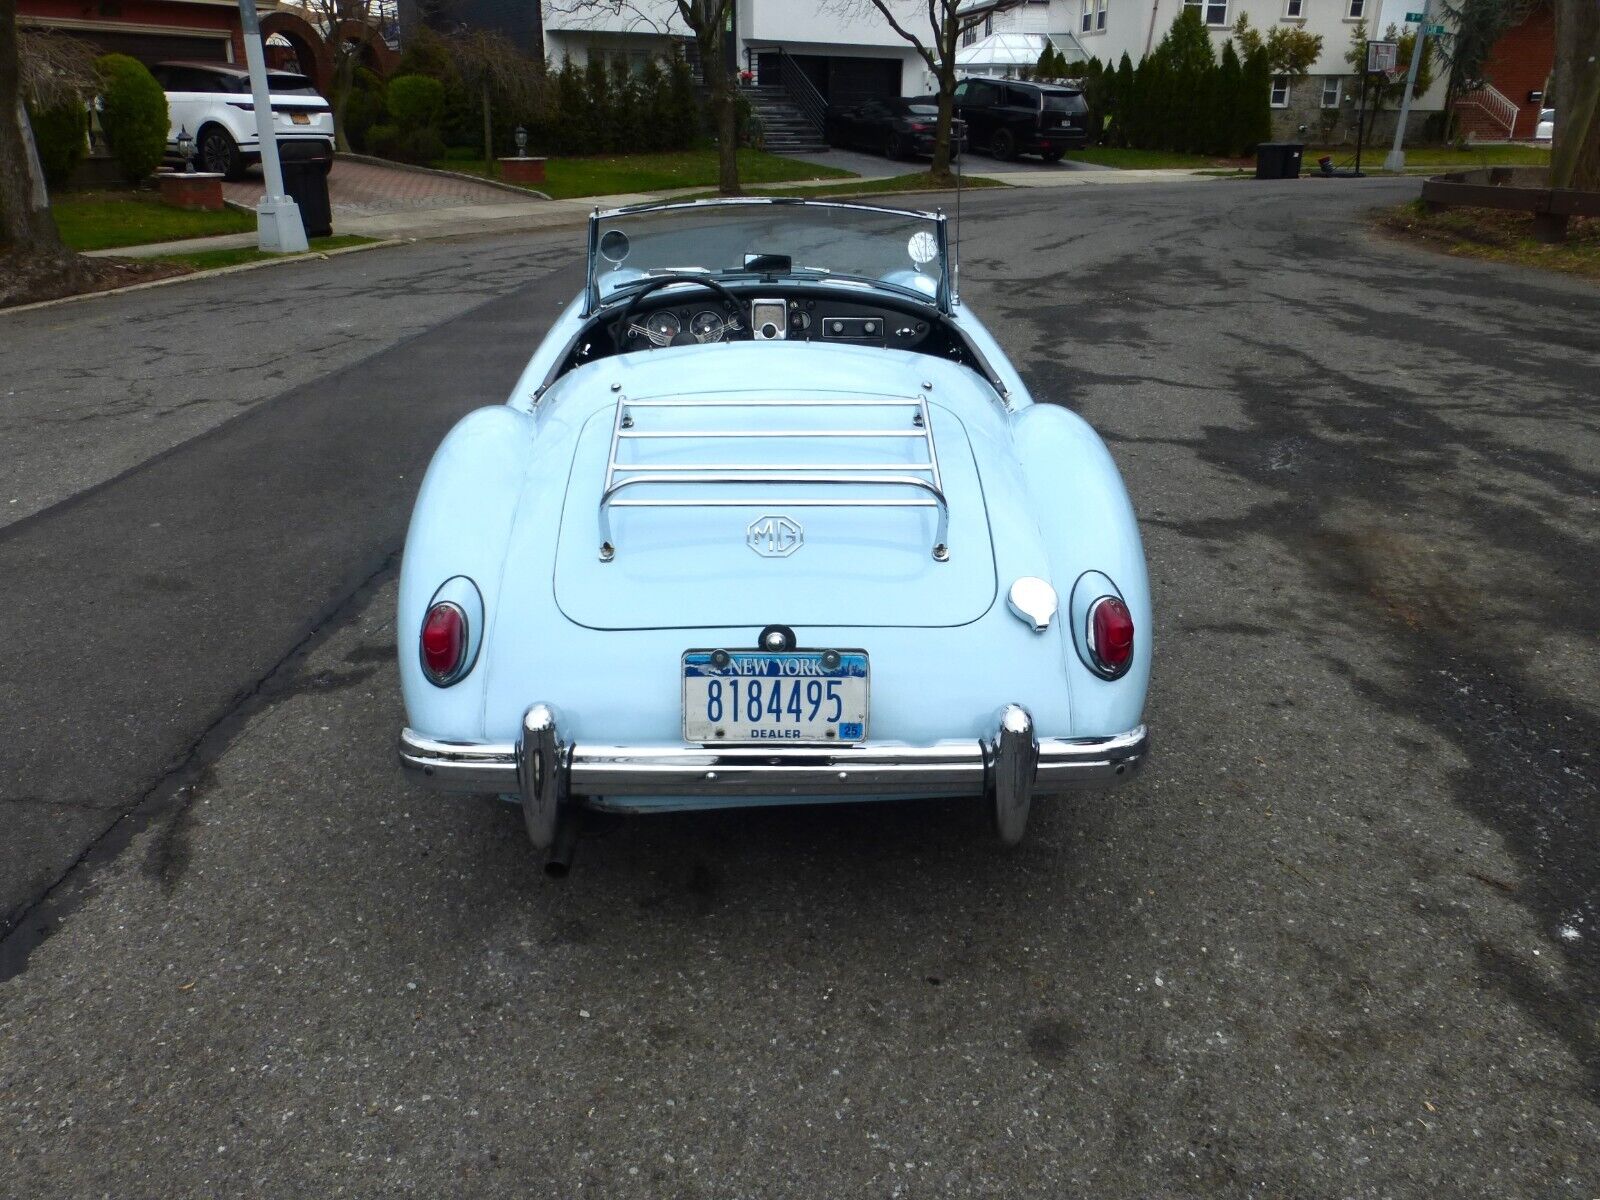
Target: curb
[(370, 161), (236, 269)]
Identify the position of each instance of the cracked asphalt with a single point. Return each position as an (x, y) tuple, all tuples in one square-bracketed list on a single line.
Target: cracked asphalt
[(1341, 939)]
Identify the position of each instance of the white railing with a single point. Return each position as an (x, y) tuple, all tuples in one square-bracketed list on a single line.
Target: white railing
[(1495, 105)]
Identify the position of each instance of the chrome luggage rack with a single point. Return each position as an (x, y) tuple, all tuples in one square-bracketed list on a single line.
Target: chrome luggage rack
[(921, 477)]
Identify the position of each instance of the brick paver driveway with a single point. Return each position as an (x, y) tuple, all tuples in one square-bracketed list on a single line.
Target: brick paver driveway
[(363, 189)]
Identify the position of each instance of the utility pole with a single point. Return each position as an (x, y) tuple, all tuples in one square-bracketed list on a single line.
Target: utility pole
[(1395, 161), (279, 229)]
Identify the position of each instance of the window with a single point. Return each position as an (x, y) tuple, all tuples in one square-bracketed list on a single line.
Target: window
[(1358, 9), (1086, 21), (1212, 12), (1330, 92), (1293, 10), (970, 36), (1280, 91), (1100, 16)]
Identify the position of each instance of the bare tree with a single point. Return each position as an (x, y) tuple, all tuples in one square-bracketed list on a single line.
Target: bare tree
[(934, 28), (707, 21), (491, 66), (31, 250), (349, 28), (1575, 160)]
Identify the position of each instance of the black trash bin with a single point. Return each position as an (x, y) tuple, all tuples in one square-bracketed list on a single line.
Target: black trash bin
[(307, 185), (1279, 160)]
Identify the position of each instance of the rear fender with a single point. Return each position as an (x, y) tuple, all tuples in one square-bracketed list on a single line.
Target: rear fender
[(460, 527), (1087, 524)]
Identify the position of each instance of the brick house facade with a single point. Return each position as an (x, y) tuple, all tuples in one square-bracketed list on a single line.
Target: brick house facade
[(1520, 64)]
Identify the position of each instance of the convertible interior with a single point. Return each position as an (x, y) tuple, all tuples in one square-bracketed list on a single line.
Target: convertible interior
[(689, 310)]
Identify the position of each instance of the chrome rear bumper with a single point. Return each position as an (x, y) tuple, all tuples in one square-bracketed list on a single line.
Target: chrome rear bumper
[(542, 764)]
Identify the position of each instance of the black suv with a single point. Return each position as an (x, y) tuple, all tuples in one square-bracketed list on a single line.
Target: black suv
[(1008, 117)]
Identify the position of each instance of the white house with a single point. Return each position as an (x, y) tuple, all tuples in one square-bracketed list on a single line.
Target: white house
[(848, 51), (1324, 102)]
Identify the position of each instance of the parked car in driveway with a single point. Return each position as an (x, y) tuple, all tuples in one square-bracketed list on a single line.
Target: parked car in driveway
[(1008, 117), (1545, 131), (895, 128), (213, 102), (769, 518)]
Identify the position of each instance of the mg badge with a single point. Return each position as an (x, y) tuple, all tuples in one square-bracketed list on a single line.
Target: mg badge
[(775, 537)]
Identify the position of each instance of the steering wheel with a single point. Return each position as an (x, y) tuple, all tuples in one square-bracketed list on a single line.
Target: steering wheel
[(619, 332)]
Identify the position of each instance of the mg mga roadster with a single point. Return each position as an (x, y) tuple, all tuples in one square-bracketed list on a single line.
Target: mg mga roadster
[(770, 519)]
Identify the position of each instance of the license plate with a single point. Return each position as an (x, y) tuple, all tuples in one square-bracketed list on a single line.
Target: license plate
[(300, 118), (752, 697)]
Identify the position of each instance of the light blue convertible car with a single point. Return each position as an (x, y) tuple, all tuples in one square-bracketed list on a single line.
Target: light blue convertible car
[(770, 519)]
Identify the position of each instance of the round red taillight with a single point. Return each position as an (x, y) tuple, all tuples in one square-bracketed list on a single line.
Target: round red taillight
[(1110, 635), (444, 643)]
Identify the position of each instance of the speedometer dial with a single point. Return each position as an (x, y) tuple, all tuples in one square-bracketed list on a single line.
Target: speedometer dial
[(664, 326), (707, 326)]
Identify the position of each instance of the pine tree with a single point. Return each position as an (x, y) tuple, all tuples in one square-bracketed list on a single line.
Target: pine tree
[(652, 99), (1228, 115), (683, 107), (1123, 104), (1256, 101)]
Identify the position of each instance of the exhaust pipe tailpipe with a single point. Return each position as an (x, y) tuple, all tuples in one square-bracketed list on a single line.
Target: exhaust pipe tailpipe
[(559, 864)]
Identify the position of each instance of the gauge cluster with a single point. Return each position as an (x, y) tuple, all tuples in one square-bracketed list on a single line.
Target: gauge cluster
[(780, 319)]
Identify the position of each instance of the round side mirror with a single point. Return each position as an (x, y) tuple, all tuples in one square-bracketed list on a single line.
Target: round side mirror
[(923, 248), (614, 246)]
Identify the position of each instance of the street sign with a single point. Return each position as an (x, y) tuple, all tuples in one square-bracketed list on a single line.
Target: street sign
[(1382, 56), (1414, 18), (1436, 31)]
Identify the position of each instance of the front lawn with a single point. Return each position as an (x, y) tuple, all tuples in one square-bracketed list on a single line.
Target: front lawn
[(1499, 236), (1437, 156), (1143, 160), (103, 220), (609, 175)]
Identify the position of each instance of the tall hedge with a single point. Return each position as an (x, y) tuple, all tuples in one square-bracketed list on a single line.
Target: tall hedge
[(135, 114), (61, 135)]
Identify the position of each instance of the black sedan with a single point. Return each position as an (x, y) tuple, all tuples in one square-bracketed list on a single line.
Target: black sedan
[(895, 128)]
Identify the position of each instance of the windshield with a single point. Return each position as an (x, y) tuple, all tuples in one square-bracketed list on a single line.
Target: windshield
[(770, 238)]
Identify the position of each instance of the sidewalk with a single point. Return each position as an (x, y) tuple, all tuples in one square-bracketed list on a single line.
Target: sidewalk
[(516, 216)]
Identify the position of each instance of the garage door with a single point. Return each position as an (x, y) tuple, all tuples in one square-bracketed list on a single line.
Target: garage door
[(151, 48), (852, 80)]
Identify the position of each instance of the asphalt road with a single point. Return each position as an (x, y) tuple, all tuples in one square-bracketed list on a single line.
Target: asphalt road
[(1341, 939)]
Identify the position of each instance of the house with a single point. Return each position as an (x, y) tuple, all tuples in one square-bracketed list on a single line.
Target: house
[(1323, 104), (149, 30), (1516, 81)]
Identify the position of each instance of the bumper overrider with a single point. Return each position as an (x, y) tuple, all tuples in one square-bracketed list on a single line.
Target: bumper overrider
[(1007, 766)]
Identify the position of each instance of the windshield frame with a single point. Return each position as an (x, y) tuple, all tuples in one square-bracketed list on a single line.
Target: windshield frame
[(942, 294)]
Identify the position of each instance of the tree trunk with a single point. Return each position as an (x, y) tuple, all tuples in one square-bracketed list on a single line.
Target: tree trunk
[(488, 129), (1575, 161), (943, 130), (344, 82), (727, 140), (26, 225), (708, 37)]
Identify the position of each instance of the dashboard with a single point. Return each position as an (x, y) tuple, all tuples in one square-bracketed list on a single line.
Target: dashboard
[(710, 319)]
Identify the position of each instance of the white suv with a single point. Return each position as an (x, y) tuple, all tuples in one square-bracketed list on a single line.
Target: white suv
[(212, 101)]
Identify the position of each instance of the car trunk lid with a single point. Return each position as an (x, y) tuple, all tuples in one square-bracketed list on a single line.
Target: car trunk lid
[(750, 509)]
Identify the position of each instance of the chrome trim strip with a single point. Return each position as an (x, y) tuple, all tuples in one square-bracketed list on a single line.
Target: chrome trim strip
[(961, 767)]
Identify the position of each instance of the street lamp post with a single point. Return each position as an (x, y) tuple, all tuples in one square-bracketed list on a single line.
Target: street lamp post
[(1395, 160), (279, 229)]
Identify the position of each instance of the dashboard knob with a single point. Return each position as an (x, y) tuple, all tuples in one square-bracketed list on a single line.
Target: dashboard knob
[(870, 327)]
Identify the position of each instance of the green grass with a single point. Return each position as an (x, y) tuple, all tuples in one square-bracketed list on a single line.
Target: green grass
[(105, 220), (1141, 160), (210, 260), (566, 178), (1438, 156), (919, 182)]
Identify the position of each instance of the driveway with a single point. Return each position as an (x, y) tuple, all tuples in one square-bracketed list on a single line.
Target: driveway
[(1340, 939), (362, 189)]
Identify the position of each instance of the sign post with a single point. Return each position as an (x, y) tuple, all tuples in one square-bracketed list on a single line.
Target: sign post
[(1395, 162), (279, 229)]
